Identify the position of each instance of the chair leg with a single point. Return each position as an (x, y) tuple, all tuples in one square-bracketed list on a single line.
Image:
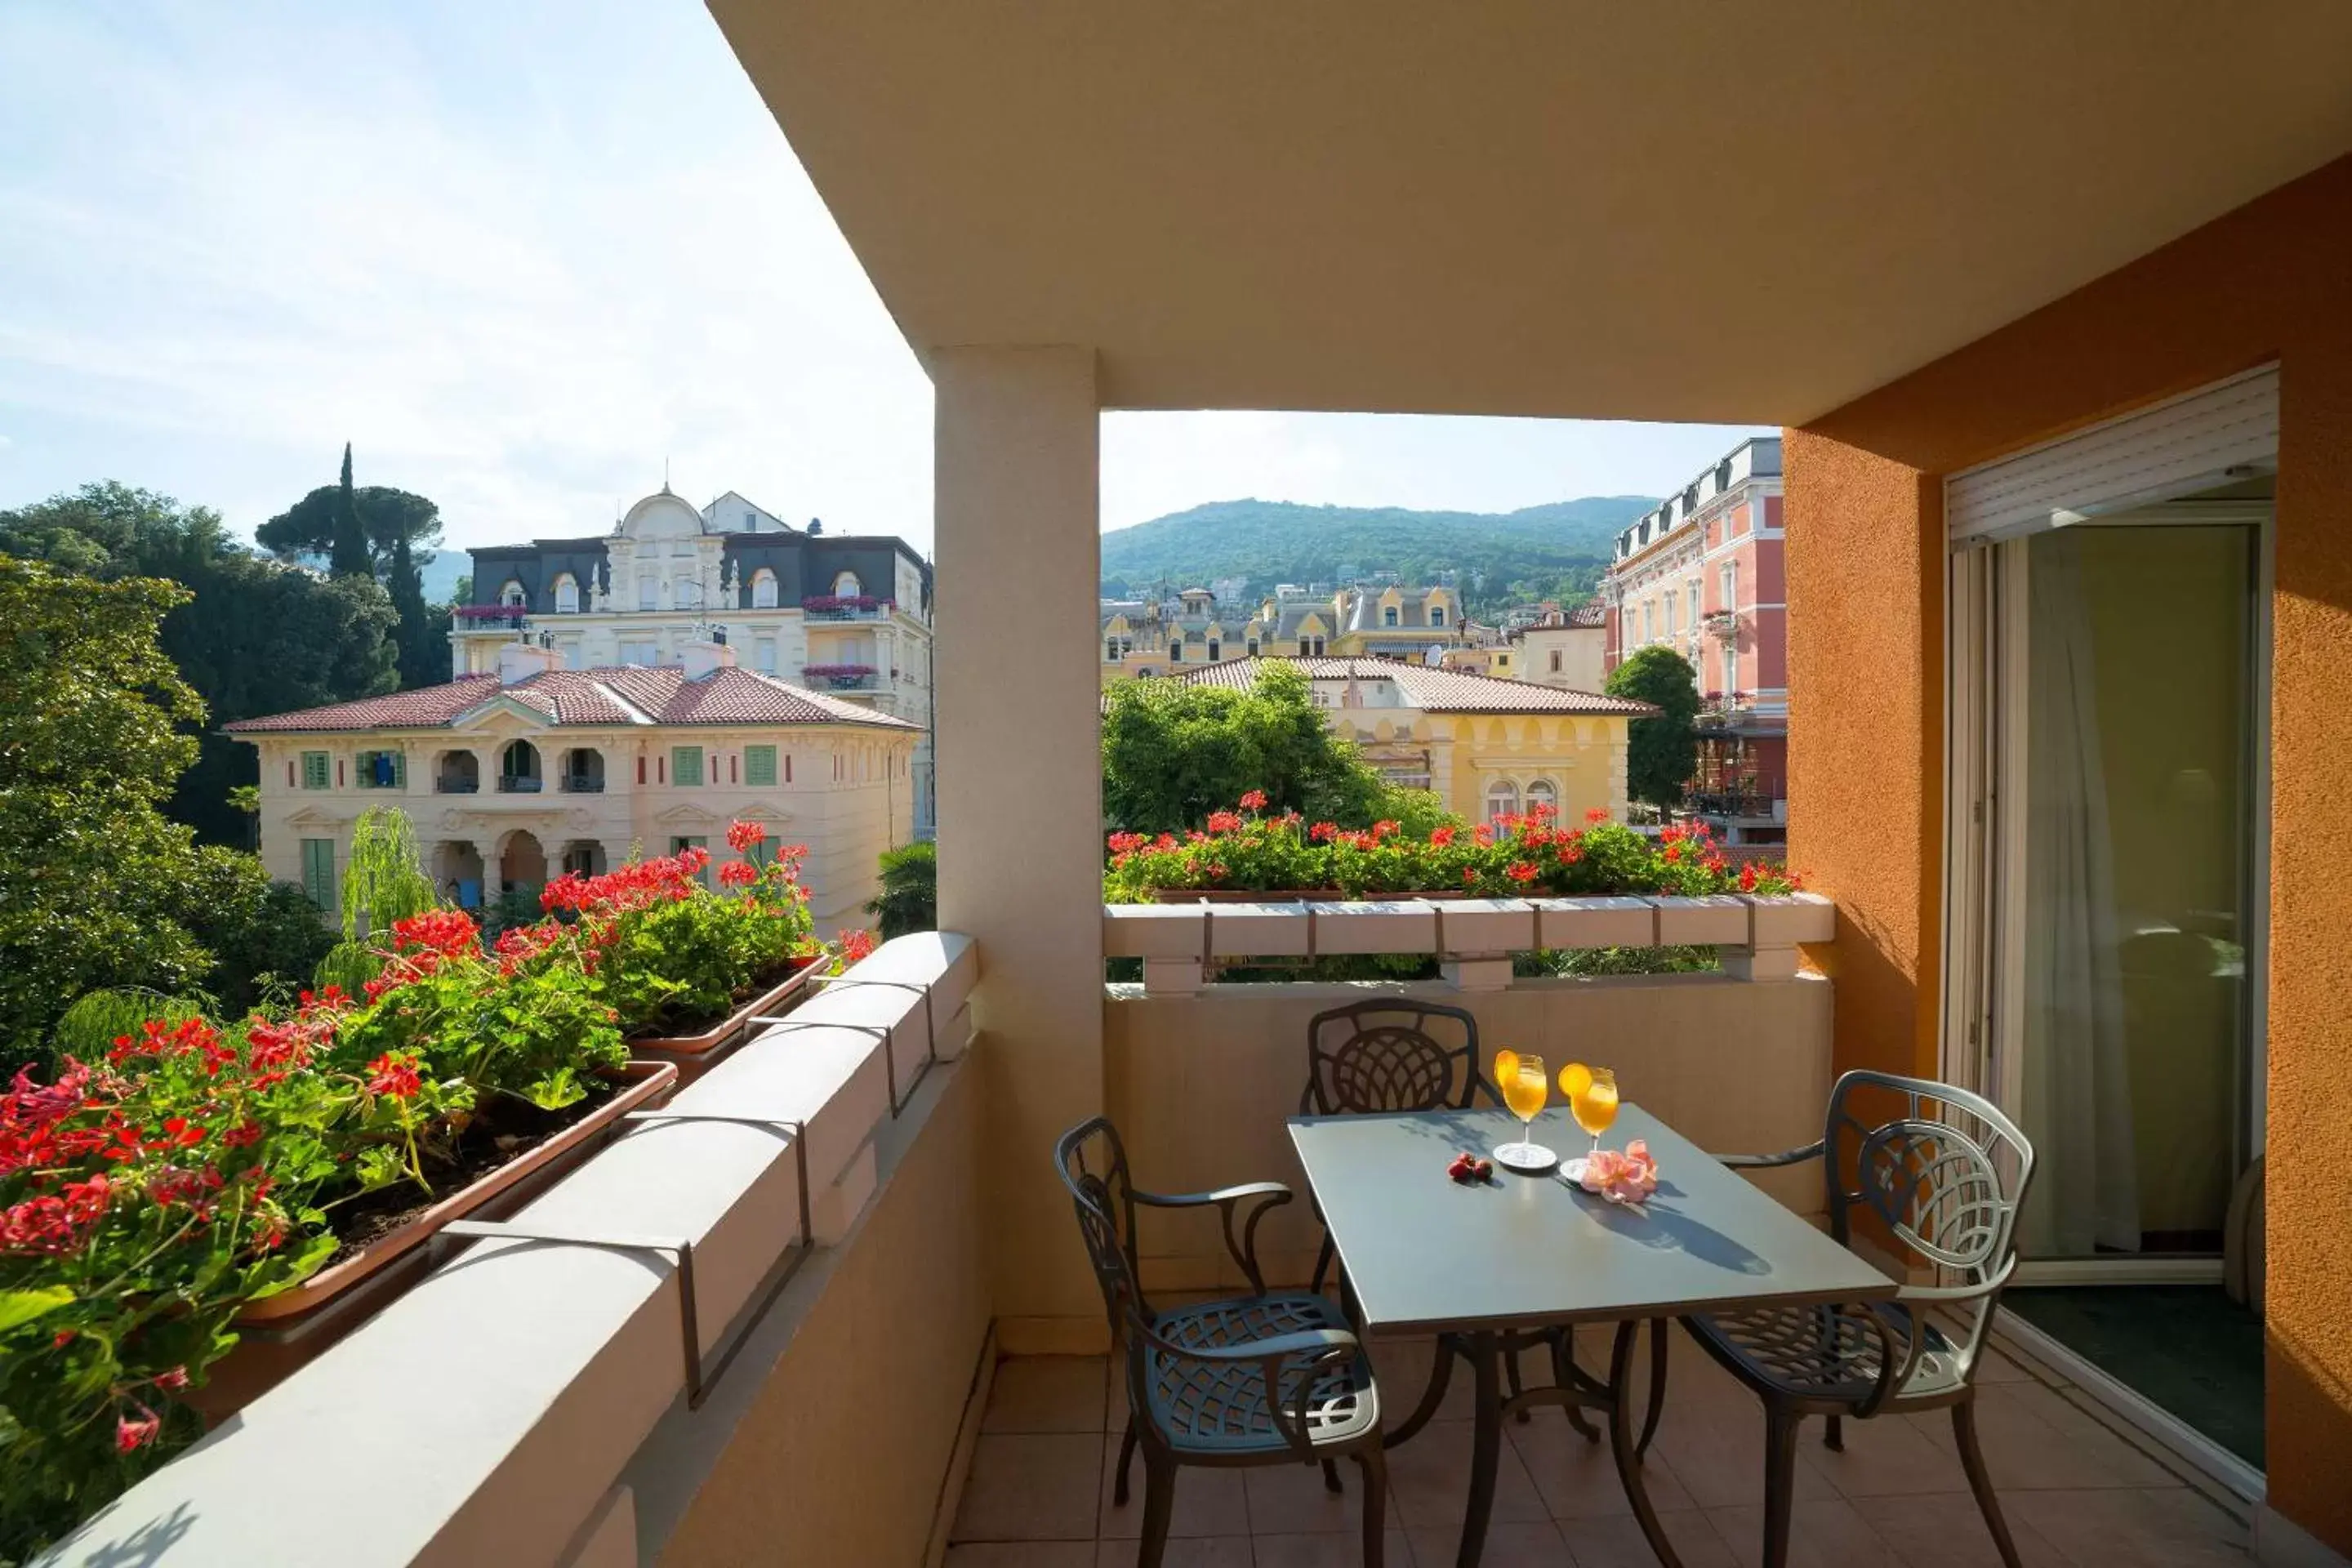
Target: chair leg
[(1330, 1477), (1511, 1375), (1376, 1502), (1125, 1457), (1779, 1484), (1833, 1435), (1159, 1506), (1964, 1433)]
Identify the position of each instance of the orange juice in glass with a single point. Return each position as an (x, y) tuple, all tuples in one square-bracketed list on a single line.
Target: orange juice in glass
[(1525, 1087), (1592, 1101)]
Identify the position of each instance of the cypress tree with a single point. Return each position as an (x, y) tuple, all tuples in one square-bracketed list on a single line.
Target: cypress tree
[(349, 557), (424, 655)]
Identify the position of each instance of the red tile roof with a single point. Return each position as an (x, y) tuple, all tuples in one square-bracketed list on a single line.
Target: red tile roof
[(1425, 687), (1592, 612), (628, 694)]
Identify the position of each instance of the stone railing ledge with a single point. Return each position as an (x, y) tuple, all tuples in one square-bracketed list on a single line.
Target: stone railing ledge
[(1794, 918), (1719, 920), (1594, 923)]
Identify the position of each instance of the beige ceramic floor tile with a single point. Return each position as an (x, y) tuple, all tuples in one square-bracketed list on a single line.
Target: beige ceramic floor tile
[(1024, 1554), (1578, 1479), (1431, 1478), (1618, 1543), (1885, 1457), (1221, 1552), (2173, 1528), (1031, 1487), (1208, 1501), (1520, 1545), (1328, 1550), (1947, 1531), (1046, 1393), (1718, 1457), (1290, 1499), (2025, 1451), (1821, 1535)]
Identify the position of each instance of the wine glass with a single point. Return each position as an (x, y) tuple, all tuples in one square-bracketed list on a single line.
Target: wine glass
[(1592, 1100), (1525, 1087)]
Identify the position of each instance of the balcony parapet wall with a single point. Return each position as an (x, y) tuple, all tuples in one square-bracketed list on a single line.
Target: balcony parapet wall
[(1181, 945)]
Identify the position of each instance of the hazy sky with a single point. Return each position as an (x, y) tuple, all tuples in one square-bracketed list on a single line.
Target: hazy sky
[(519, 254)]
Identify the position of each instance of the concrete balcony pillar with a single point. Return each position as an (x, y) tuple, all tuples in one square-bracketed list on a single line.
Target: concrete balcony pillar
[(1018, 746)]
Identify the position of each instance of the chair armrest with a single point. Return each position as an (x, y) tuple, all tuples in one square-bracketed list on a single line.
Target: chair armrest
[(1812, 1150), (1319, 1348), (1264, 1197)]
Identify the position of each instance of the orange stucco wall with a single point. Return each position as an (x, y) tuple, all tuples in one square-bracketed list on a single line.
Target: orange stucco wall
[(2268, 282)]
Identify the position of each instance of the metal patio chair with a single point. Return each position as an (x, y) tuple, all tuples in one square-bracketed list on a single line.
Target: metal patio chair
[(1944, 1177), (1269, 1378)]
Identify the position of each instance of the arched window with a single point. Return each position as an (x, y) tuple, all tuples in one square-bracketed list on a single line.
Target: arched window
[(1388, 616), (567, 595), (845, 585), (511, 595), (1252, 647), (1542, 791), (1436, 615), (1502, 799), (519, 769), (1213, 646), (1176, 650), (763, 589)]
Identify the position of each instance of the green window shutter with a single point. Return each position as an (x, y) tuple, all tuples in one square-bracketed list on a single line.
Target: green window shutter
[(314, 771), (319, 871), (759, 764), (686, 765), (400, 770)]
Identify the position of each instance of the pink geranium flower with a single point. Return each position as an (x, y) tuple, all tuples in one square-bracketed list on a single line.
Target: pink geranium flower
[(1627, 1178)]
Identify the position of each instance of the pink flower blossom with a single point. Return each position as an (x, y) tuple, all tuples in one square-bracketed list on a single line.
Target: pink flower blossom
[(1627, 1178)]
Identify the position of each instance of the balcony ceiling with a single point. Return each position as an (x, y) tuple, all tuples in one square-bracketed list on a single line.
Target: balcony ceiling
[(1562, 207)]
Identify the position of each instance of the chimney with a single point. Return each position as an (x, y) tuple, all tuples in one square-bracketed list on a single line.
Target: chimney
[(518, 661), (705, 656)]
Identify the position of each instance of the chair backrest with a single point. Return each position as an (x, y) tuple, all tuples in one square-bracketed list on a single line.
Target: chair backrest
[(1092, 1163), (1392, 1053), (1944, 1174)]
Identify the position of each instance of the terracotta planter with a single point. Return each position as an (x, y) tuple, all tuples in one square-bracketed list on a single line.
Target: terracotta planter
[(1309, 896), (694, 1054), (281, 1332)]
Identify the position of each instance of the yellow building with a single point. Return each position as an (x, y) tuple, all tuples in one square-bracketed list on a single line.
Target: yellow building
[(1488, 747), (1164, 636)]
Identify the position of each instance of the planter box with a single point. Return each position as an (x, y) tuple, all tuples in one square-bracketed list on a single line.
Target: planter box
[(694, 1054), (281, 1334)]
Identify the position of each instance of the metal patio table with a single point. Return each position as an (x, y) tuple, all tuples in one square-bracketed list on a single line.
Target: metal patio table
[(1494, 1265)]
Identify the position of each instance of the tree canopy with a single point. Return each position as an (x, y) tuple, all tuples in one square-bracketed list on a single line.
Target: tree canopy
[(1173, 752), (250, 637), (1661, 753), (386, 515)]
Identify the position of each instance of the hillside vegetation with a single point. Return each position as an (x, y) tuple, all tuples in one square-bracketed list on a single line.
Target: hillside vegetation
[(1554, 550)]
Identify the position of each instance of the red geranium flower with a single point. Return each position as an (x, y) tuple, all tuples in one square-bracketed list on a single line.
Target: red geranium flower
[(1520, 871), (1323, 832), (1597, 814), (395, 1074), (743, 836), (1441, 837), (1253, 801), (738, 874), (1225, 822)]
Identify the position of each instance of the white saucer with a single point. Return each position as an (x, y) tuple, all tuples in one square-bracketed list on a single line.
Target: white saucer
[(1572, 1170), (1527, 1159)]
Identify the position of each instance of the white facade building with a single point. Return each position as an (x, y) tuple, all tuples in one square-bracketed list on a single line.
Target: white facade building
[(849, 616)]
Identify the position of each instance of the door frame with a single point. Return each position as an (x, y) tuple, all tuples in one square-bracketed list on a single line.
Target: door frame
[(2119, 472)]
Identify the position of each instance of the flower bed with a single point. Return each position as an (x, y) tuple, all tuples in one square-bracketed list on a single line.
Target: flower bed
[(1245, 850), (200, 1169)]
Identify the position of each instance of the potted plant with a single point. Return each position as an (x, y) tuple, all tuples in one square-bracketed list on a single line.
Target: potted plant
[(687, 969)]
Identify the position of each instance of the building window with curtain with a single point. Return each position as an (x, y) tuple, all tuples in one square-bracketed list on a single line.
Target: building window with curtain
[(1541, 792), (567, 595), (1502, 800), (763, 589)]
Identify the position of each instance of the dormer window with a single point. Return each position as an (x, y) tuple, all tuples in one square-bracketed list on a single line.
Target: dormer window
[(1388, 616), (845, 585), (1436, 615), (763, 589), (567, 595), (511, 594)]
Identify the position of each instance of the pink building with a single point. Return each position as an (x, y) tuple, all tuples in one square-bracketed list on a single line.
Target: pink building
[(1701, 574)]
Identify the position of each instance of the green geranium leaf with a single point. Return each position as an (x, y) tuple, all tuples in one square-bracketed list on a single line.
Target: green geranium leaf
[(21, 1307)]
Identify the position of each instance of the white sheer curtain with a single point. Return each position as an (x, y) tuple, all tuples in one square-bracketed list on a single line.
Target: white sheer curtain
[(2077, 1092)]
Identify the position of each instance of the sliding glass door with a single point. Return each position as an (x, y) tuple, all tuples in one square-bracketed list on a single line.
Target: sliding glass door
[(2105, 918)]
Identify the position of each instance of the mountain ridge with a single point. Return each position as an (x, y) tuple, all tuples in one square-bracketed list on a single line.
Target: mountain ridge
[(1555, 549)]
